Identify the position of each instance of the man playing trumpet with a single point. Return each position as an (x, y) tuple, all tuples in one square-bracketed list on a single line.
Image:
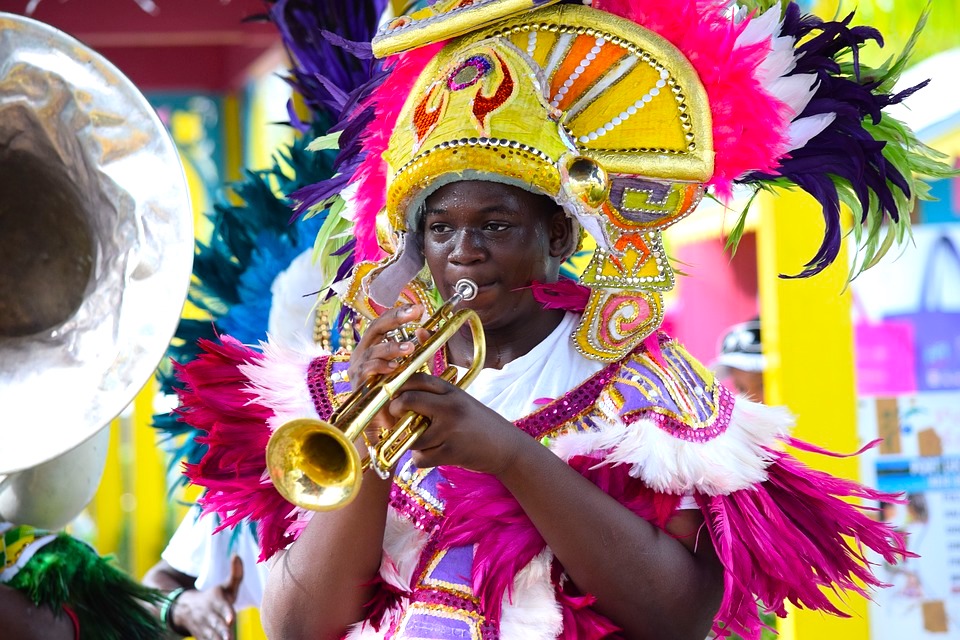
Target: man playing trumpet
[(593, 480)]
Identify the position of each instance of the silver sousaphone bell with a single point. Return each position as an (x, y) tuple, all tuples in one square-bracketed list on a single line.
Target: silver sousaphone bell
[(96, 251)]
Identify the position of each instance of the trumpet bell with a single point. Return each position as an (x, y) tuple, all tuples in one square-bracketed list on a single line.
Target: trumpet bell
[(313, 465), (97, 244)]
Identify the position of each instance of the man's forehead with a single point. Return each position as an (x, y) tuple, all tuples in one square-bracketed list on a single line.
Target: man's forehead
[(479, 195)]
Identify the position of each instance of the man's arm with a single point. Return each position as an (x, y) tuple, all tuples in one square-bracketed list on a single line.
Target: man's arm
[(22, 619)]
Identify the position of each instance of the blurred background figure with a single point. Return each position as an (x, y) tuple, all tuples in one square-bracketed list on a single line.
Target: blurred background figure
[(741, 359), (208, 577)]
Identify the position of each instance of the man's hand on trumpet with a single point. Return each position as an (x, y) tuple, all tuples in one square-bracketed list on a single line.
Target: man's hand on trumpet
[(377, 354), (463, 432)]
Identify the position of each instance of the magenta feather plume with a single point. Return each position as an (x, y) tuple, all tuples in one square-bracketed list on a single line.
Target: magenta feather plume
[(793, 539), (565, 294), (480, 511), (233, 427), (580, 622), (371, 175)]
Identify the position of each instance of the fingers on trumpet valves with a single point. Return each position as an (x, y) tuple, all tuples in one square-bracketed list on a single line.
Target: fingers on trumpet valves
[(404, 333)]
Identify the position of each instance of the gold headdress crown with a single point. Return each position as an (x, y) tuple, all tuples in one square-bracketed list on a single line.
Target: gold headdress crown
[(594, 111)]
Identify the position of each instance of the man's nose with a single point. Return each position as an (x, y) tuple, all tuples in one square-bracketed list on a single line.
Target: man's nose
[(468, 247)]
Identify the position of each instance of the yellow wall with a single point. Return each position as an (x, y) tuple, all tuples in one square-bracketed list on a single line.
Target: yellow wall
[(808, 344)]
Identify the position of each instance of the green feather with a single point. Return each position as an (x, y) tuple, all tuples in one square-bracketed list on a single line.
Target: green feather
[(108, 603)]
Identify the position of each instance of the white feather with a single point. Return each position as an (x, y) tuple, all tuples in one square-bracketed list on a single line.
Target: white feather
[(759, 28), (802, 130), (294, 298), (402, 547), (279, 381), (736, 459), (794, 91), (780, 61), (533, 612)]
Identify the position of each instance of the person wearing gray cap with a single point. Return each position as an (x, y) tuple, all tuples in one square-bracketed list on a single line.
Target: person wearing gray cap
[(741, 359)]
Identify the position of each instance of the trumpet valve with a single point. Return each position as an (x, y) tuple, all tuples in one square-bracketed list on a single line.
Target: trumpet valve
[(404, 333)]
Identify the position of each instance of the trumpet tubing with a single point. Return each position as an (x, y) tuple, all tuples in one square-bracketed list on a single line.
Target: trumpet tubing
[(315, 465)]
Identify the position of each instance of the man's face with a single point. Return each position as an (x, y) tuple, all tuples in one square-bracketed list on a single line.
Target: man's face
[(501, 237), (748, 383)]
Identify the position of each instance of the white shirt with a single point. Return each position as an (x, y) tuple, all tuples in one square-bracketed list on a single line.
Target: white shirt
[(548, 371), (196, 551)]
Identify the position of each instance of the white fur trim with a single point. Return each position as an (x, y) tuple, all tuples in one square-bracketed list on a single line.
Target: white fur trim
[(402, 547), (734, 460), (532, 613), (279, 381)]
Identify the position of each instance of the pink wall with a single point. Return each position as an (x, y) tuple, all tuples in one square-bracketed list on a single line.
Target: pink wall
[(717, 291)]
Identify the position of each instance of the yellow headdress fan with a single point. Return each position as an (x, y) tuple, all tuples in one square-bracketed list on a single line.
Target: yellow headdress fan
[(624, 111)]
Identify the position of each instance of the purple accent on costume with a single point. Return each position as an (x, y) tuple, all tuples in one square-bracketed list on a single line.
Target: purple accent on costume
[(567, 407), (422, 625), (705, 406), (411, 500), (454, 567), (684, 432), (341, 368), (482, 65), (659, 191)]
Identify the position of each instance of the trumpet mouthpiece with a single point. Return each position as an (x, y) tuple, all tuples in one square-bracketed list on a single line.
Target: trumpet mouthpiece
[(466, 288)]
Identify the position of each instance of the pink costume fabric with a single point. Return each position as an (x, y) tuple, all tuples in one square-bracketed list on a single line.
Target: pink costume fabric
[(461, 559)]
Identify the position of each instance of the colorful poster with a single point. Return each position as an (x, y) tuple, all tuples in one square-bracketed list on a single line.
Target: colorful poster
[(907, 331), (919, 458)]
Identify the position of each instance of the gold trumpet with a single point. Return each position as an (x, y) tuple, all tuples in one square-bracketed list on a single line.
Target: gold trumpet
[(315, 465)]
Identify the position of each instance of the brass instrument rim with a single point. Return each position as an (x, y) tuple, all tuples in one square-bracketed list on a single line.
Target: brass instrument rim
[(61, 387)]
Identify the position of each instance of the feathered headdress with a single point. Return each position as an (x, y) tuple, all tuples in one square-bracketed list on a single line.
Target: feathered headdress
[(626, 112), (253, 243)]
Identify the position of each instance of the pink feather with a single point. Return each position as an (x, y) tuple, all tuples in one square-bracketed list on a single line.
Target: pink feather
[(563, 294), (215, 400), (480, 511), (794, 534), (371, 175), (786, 540)]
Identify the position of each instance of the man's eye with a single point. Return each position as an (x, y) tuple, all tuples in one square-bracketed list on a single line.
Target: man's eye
[(497, 226), (439, 228)]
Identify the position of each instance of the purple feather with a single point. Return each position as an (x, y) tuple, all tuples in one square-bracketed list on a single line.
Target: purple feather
[(845, 151)]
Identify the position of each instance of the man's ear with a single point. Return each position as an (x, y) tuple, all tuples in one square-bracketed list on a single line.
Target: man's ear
[(561, 234)]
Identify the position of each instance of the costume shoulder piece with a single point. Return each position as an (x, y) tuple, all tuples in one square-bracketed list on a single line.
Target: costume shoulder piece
[(668, 418)]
